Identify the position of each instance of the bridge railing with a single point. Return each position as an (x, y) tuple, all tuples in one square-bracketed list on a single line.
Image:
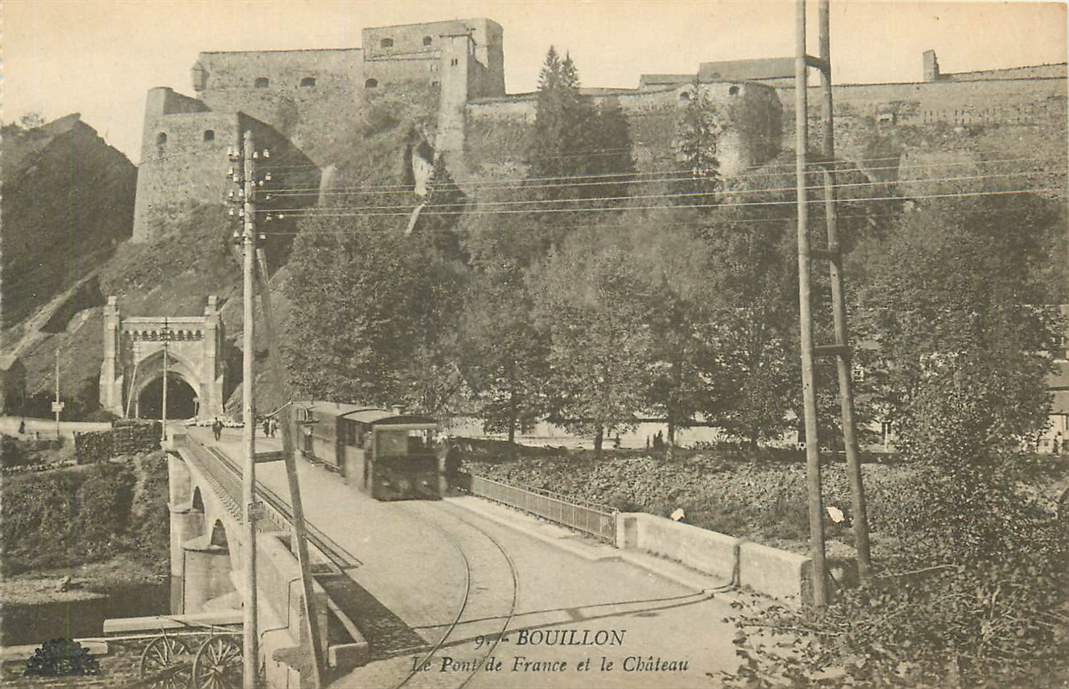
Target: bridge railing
[(595, 520)]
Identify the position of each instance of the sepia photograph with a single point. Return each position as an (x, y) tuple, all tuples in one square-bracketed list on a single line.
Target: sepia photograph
[(503, 344)]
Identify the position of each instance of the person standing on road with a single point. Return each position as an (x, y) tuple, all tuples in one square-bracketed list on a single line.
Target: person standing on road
[(217, 428), (267, 427)]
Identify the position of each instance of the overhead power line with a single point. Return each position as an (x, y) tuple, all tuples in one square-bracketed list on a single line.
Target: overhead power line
[(647, 177), (543, 202), (332, 213)]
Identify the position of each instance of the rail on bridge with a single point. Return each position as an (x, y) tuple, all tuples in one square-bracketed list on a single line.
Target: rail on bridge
[(594, 520), (208, 558)]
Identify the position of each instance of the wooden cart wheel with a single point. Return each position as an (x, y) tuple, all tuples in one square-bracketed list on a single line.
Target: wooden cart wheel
[(165, 663), (218, 664)]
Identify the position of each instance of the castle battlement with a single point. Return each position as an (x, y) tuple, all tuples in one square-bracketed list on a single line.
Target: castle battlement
[(307, 101)]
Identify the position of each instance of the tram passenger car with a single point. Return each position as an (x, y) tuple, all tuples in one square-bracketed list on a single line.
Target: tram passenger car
[(388, 454)]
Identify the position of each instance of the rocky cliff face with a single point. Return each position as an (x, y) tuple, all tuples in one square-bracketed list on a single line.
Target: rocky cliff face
[(68, 199)]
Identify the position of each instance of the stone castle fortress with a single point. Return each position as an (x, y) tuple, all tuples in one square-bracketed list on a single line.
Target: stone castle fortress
[(302, 103)]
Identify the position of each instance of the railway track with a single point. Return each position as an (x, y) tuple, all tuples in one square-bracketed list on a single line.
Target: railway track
[(417, 678), (335, 553)]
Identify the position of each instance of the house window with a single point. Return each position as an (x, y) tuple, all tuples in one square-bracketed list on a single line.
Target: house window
[(371, 83), (308, 82), (386, 43), (435, 83), (262, 82), (427, 40), (161, 138), (209, 135), (454, 62)]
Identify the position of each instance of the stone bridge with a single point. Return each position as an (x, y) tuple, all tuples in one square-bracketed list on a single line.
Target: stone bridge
[(135, 349), (207, 561)]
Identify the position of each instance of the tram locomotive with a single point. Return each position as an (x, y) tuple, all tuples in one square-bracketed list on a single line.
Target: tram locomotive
[(387, 454)]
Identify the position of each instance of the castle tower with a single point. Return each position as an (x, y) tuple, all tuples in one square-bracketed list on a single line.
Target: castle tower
[(457, 68), (931, 66)]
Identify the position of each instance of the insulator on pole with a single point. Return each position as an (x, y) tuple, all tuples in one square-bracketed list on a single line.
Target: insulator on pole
[(267, 176), (255, 155), (267, 153)]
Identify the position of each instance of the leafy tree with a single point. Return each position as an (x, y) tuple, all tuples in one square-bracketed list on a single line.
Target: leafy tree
[(503, 354), (685, 377), (590, 297), (753, 279), (957, 305), (576, 149), (562, 137), (612, 157), (32, 120), (359, 293), (698, 130), (956, 293)]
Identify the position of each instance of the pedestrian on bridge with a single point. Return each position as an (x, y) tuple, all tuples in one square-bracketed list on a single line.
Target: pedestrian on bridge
[(217, 428)]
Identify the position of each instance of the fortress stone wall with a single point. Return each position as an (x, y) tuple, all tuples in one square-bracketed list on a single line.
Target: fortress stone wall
[(751, 116), (309, 96), (185, 158), (311, 102), (307, 101)]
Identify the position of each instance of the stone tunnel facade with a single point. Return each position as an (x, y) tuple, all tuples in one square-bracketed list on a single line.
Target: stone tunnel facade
[(137, 350)]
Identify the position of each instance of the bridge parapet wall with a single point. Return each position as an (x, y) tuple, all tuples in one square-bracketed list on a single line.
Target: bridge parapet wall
[(769, 571)]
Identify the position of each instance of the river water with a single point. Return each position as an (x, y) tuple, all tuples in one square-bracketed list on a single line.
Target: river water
[(33, 624)]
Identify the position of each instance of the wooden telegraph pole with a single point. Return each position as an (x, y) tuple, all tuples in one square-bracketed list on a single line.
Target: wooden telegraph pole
[(313, 652), (163, 407), (840, 349), (250, 647), (805, 316), (838, 302), (57, 406)]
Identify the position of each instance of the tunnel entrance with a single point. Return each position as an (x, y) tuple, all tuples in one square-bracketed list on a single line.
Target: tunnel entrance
[(182, 402)]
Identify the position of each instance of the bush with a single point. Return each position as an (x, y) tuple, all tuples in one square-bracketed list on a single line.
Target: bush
[(991, 626), (93, 447), (61, 658)]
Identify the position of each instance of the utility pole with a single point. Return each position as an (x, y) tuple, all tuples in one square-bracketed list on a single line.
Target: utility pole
[(840, 348), (838, 301), (805, 316), (299, 530), (250, 648), (57, 406), (163, 409)]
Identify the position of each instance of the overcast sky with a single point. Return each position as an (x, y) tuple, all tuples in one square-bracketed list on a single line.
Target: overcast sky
[(99, 57)]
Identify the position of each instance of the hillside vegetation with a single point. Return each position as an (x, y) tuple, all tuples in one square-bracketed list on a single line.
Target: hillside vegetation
[(80, 515)]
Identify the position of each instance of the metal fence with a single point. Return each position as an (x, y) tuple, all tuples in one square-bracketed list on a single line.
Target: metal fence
[(597, 521)]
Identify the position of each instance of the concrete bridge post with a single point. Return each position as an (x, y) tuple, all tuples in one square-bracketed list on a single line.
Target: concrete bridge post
[(187, 524), (207, 573)]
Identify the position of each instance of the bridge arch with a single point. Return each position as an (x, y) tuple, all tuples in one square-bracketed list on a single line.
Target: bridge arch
[(218, 535)]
